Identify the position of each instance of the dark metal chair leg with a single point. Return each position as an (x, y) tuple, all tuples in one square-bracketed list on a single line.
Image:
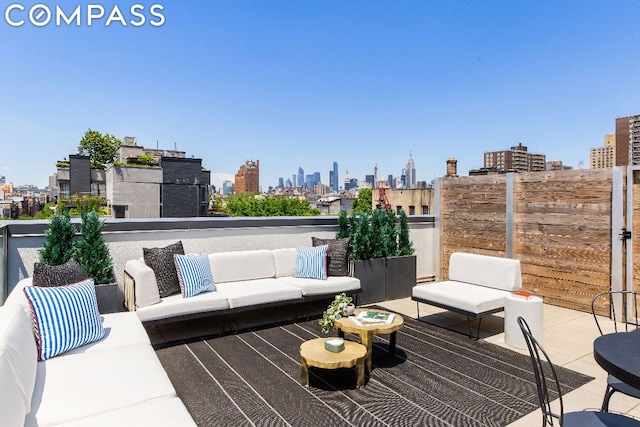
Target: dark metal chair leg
[(607, 397)]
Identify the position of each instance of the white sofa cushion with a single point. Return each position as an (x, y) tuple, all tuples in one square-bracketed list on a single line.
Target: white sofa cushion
[(472, 298), (12, 403), (120, 329), (285, 260), (333, 285), (495, 272), (96, 382), (260, 291), (18, 356), (242, 265), (16, 296), (176, 305), (168, 412)]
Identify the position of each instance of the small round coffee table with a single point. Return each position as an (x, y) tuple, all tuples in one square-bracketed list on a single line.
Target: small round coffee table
[(367, 331), (313, 353)]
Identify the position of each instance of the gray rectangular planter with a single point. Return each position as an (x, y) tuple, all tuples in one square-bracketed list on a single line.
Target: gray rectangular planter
[(371, 273), (108, 298), (400, 276)]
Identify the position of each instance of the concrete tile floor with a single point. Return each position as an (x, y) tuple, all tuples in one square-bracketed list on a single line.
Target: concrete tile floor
[(568, 339)]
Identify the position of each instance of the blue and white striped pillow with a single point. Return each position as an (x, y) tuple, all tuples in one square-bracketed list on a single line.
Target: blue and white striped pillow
[(311, 262), (65, 317), (194, 274)]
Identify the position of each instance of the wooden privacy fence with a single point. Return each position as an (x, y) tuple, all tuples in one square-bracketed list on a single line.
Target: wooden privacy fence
[(557, 223)]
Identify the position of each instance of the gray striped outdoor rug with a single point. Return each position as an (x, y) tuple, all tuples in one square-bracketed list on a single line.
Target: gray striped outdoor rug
[(437, 378)]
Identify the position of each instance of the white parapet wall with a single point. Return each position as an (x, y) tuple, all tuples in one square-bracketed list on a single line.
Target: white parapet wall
[(126, 238)]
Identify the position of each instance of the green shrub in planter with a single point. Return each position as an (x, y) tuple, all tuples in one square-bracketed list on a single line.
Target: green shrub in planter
[(58, 240), (405, 246), (92, 252)]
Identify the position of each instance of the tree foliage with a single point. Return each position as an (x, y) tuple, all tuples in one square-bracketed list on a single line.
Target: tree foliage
[(363, 201), (101, 149), (91, 250), (58, 240), (253, 205)]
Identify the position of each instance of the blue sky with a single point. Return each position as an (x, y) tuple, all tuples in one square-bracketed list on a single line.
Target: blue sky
[(304, 83)]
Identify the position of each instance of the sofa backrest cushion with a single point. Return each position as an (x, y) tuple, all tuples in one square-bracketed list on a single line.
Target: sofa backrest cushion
[(285, 260), (490, 271), (18, 364), (242, 265)]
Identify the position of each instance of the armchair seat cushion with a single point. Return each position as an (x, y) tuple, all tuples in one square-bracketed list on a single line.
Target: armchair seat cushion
[(463, 296)]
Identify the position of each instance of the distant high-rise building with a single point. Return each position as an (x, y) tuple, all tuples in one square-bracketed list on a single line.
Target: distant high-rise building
[(316, 178), (370, 179), (556, 165), (517, 159), (375, 174), (392, 181), (351, 185), (281, 182), (410, 173), (331, 180), (288, 183), (300, 177), (334, 183), (248, 178), (308, 181), (227, 187), (628, 140), (294, 180), (2, 179), (604, 157)]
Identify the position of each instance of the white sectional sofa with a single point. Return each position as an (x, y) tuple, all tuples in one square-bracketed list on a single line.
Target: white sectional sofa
[(243, 280), (477, 286), (116, 381)]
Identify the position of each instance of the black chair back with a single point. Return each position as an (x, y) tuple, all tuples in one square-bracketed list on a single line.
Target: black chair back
[(544, 372), (629, 312)]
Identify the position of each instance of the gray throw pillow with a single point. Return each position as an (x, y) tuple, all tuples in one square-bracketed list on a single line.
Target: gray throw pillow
[(58, 275), (161, 262), (337, 255)]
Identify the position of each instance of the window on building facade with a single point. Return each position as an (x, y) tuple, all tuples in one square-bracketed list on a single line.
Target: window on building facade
[(98, 190), (425, 210), (412, 210), (64, 189), (398, 209)]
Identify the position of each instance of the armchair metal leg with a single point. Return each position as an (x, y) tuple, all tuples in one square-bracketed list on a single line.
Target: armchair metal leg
[(477, 337), (607, 397)]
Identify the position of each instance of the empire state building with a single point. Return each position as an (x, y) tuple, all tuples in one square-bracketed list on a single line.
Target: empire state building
[(410, 173)]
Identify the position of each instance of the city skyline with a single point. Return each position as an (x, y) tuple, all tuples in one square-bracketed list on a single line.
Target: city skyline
[(360, 83)]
